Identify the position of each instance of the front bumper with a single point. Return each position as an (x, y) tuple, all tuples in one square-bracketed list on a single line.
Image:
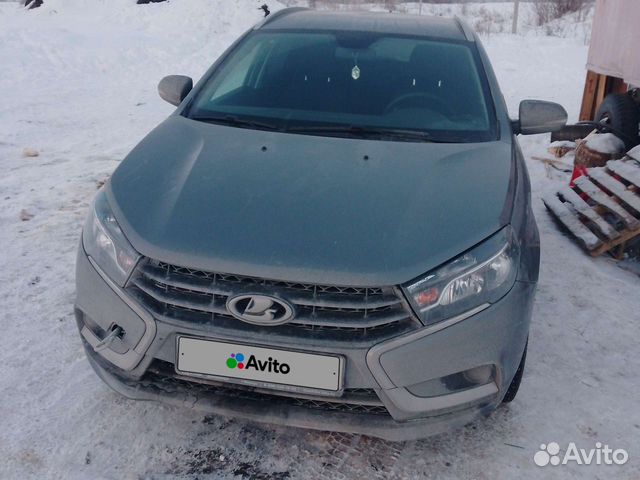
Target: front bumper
[(494, 336)]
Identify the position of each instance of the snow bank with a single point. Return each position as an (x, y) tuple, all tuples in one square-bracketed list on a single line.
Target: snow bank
[(562, 144), (604, 143), (106, 57), (634, 153), (110, 35)]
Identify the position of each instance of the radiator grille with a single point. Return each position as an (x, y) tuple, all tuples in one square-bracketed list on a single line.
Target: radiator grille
[(200, 296)]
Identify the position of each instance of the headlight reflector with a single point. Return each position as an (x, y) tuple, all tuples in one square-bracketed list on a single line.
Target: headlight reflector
[(481, 275), (105, 243)]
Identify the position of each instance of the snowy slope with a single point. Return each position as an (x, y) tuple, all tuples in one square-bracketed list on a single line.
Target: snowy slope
[(79, 87)]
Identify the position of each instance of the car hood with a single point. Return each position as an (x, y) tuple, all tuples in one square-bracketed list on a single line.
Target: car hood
[(307, 208)]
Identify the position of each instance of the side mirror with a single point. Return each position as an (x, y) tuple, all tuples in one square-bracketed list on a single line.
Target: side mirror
[(537, 116), (175, 88)]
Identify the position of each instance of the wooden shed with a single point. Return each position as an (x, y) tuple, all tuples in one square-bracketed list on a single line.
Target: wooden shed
[(614, 53)]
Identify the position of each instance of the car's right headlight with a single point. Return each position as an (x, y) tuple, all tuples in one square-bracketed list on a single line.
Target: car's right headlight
[(105, 243), (480, 276)]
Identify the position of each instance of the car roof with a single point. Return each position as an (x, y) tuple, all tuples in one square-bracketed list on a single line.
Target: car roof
[(421, 25)]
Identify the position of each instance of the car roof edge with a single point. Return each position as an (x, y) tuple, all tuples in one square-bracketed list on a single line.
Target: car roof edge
[(465, 28), (279, 14)]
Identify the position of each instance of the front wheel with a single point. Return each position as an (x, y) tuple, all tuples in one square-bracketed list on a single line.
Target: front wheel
[(512, 391)]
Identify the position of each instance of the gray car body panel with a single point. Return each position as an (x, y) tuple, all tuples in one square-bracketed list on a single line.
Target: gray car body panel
[(394, 24), (308, 208), (311, 208), (496, 335)]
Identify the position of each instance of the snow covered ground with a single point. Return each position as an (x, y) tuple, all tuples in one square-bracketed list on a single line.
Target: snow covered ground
[(78, 81)]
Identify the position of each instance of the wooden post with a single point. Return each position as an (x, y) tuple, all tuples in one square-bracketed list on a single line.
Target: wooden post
[(420, 9), (596, 87), (589, 96), (516, 8)]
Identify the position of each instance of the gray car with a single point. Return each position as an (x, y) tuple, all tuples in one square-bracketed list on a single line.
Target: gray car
[(332, 231)]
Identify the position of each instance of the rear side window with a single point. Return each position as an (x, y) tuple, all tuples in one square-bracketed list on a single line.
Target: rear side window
[(353, 79)]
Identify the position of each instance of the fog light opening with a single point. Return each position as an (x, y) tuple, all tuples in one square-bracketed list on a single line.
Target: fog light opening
[(456, 382), (479, 375)]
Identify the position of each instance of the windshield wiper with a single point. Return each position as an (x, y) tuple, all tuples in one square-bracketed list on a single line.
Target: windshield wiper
[(357, 131), (234, 121)]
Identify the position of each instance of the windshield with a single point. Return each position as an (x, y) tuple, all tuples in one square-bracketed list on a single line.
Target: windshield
[(351, 83)]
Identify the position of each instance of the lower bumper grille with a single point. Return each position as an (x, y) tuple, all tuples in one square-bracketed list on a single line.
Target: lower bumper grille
[(356, 400), (199, 296), (341, 407)]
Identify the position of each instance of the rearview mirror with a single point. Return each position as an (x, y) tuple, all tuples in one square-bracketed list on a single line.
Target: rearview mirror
[(174, 88), (536, 116)]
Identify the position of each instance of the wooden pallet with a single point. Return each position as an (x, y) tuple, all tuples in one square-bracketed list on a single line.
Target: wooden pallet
[(603, 210)]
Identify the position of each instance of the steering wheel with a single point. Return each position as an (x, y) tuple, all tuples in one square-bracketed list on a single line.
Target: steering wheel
[(423, 97)]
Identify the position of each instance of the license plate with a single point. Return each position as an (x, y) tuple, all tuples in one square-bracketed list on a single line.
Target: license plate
[(268, 365)]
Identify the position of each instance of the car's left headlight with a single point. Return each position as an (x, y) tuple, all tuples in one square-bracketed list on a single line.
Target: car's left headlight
[(480, 276), (105, 243)]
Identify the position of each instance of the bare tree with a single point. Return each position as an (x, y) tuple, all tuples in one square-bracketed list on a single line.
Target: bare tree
[(547, 10)]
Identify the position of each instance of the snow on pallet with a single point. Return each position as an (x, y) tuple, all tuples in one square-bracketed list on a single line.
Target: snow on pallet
[(603, 211)]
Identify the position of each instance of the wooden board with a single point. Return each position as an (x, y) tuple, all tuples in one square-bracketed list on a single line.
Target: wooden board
[(584, 209), (606, 214), (568, 219), (598, 196), (596, 87), (616, 188), (589, 96), (628, 170)]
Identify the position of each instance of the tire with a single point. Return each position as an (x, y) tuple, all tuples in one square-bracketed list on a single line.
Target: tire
[(621, 113), (512, 391)]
